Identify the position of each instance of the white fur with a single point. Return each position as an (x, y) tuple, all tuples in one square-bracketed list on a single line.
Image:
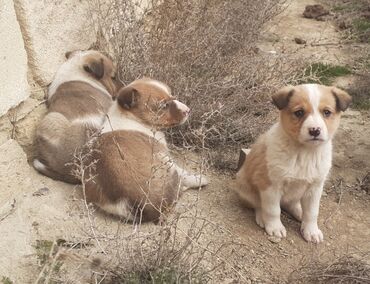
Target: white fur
[(95, 121), (297, 175), (72, 70), (116, 120), (184, 108), (121, 208), (38, 165), (189, 180), (314, 120)]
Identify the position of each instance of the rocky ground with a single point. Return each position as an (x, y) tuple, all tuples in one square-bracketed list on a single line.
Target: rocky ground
[(36, 209)]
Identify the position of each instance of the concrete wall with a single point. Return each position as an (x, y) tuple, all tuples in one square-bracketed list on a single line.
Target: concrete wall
[(34, 38), (13, 59)]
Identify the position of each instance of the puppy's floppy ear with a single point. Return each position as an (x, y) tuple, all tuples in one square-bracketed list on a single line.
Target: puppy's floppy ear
[(342, 99), (95, 68), (282, 97), (128, 97)]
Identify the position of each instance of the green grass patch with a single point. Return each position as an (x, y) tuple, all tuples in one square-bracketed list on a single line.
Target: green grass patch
[(324, 73), (168, 275), (361, 25), (6, 280), (361, 29), (43, 248)]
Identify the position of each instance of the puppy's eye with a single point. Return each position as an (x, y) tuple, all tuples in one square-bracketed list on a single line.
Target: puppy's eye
[(164, 105), (299, 113), (327, 113)]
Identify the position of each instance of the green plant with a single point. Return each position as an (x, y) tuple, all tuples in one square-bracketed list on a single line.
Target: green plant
[(6, 280), (43, 248), (361, 29), (324, 73), (168, 275)]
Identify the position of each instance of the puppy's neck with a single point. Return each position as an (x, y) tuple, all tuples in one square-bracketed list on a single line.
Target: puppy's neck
[(289, 159), (70, 71), (118, 119)]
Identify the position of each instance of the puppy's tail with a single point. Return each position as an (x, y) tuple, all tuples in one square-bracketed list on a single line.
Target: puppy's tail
[(46, 171), (242, 155)]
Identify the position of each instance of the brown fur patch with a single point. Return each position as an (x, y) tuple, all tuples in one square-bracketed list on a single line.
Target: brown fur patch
[(328, 102), (253, 175), (282, 97), (152, 104), (291, 123), (58, 156), (101, 68), (131, 166), (74, 99)]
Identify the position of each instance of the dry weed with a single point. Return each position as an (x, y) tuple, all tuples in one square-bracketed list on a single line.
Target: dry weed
[(346, 269), (206, 51)]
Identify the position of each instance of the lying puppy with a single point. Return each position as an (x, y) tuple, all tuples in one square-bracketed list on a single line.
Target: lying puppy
[(288, 165), (135, 177), (78, 99)]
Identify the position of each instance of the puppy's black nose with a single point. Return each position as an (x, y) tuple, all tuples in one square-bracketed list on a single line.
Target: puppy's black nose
[(314, 131)]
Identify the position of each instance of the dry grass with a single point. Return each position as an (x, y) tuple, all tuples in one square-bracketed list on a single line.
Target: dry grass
[(346, 269), (187, 248), (206, 51)]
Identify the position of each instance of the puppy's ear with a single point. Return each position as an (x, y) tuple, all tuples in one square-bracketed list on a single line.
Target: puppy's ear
[(128, 97), (95, 68), (282, 97), (342, 99)]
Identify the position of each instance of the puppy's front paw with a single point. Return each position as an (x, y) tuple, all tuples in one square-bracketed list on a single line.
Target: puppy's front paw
[(312, 233), (276, 229)]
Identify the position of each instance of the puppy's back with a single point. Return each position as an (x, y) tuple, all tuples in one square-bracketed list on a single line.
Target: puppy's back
[(75, 99), (133, 169)]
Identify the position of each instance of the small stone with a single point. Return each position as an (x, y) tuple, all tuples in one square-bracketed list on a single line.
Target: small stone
[(35, 224), (299, 40), (274, 239), (41, 191)]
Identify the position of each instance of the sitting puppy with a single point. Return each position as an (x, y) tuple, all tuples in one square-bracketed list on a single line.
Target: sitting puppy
[(134, 176), (288, 165), (78, 99)]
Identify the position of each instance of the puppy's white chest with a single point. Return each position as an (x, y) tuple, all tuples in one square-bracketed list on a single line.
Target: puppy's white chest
[(286, 164)]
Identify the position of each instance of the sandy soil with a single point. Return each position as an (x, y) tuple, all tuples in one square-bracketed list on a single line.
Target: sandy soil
[(57, 211)]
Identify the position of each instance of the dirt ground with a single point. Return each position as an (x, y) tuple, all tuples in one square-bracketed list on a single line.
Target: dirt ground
[(48, 210)]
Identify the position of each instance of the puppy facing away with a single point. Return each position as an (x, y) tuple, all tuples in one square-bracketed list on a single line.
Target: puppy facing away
[(78, 99), (135, 177), (288, 165)]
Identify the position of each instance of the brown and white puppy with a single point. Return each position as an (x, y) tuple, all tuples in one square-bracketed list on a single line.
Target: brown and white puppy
[(288, 165), (135, 177), (78, 99)]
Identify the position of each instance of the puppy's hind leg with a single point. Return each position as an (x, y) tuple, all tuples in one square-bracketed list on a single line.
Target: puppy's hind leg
[(46, 171), (189, 180)]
